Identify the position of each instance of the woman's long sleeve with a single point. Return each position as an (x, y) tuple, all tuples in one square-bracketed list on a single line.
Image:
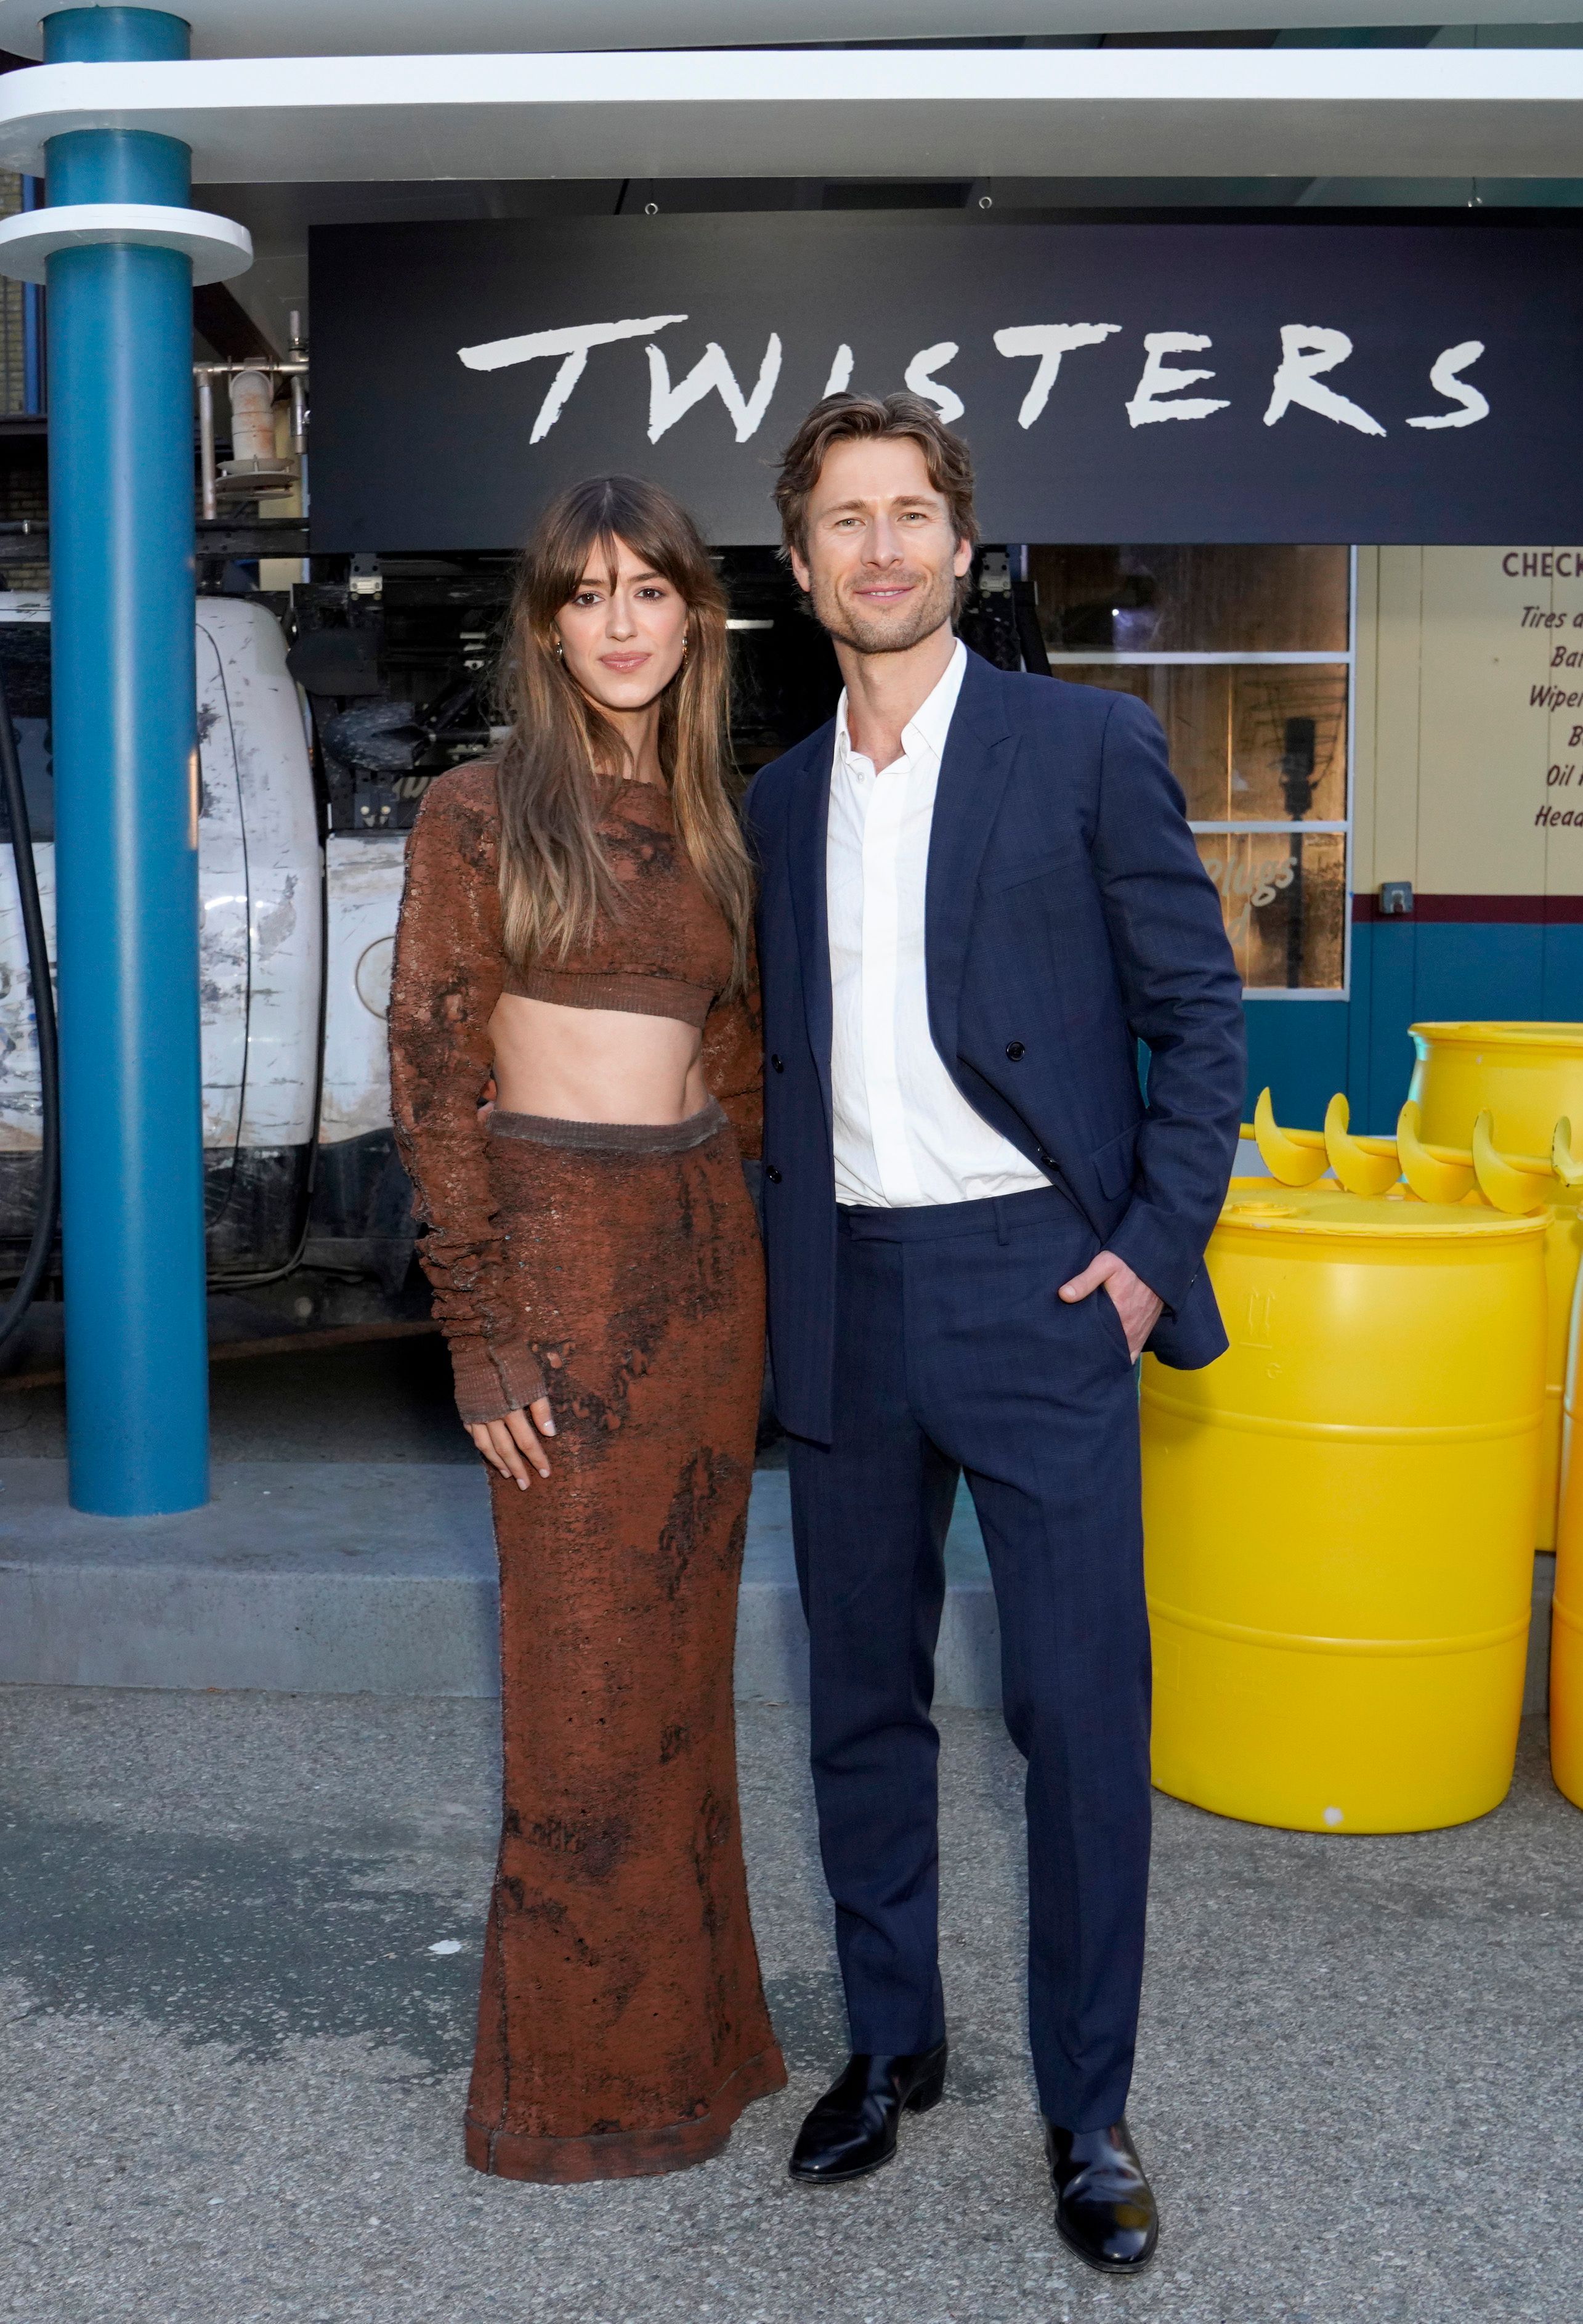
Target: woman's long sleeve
[(446, 983), (733, 1062)]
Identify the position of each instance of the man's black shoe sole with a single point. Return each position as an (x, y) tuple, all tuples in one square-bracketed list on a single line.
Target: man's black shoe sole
[(1104, 2266), (840, 2178)]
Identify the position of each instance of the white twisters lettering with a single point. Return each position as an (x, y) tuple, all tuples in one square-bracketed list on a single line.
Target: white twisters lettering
[(711, 375), (573, 342), (1446, 380), (1308, 352), (1049, 342), (840, 370), (1160, 381), (919, 376)]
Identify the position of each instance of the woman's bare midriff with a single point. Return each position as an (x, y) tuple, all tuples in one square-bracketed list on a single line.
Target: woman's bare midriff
[(594, 1065)]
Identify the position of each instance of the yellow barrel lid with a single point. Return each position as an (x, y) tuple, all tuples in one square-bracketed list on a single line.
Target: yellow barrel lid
[(1265, 1207), (1503, 1033)]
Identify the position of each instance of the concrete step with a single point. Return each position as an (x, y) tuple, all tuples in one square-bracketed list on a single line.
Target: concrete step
[(318, 1577), (354, 1577)]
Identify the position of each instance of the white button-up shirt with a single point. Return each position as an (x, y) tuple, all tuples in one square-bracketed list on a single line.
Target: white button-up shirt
[(904, 1134)]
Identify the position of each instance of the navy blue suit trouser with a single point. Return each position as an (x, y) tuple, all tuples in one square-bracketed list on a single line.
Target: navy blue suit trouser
[(954, 1356)]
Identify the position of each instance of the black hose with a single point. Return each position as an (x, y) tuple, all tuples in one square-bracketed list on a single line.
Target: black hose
[(1025, 611), (15, 1311)]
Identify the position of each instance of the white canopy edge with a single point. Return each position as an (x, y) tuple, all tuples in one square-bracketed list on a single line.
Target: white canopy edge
[(1422, 113), (243, 28)]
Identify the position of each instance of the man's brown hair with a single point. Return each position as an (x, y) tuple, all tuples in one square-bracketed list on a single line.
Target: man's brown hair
[(855, 419)]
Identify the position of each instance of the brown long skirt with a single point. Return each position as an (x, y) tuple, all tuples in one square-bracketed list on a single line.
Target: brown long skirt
[(621, 2023)]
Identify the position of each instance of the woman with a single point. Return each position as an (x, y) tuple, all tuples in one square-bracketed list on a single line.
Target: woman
[(576, 927)]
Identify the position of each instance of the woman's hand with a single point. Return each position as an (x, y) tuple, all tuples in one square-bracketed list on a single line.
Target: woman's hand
[(511, 1444)]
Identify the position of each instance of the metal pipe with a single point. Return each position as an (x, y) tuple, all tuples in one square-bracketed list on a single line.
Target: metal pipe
[(126, 750), (252, 416), (281, 370), (206, 442), (297, 352)]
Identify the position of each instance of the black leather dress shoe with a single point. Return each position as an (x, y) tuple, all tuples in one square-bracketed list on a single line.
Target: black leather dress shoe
[(852, 2129), (1104, 2206)]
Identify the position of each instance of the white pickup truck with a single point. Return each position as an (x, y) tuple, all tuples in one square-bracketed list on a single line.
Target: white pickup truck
[(313, 760), (298, 929)]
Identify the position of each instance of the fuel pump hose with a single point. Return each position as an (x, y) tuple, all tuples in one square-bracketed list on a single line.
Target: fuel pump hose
[(15, 1311)]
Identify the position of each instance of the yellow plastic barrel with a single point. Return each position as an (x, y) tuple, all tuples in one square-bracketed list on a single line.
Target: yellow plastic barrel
[(1527, 1076), (1566, 1626), (1338, 1514)]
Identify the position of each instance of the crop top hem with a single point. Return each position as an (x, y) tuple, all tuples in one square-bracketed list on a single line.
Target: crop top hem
[(629, 996)]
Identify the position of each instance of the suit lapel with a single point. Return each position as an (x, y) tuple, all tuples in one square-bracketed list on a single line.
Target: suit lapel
[(807, 825), (978, 751)]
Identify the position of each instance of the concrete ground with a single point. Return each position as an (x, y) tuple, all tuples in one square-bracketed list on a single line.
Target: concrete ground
[(232, 2066), (231, 2069)]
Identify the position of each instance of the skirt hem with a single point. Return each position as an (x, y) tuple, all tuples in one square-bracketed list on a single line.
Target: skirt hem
[(625, 2154)]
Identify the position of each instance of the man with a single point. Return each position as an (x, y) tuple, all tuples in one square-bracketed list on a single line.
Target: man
[(979, 896)]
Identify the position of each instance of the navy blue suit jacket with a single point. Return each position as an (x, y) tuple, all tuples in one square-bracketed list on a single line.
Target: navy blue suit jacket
[(1066, 916)]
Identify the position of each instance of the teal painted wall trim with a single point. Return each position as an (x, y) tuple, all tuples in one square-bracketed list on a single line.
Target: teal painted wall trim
[(1403, 971)]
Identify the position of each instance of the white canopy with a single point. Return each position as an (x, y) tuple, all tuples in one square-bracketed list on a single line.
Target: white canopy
[(756, 113), (314, 28)]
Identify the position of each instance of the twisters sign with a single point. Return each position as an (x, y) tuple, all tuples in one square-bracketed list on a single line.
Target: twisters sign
[(1157, 382)]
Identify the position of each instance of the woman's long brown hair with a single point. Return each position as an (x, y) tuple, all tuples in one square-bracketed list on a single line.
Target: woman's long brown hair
[(555, 769)]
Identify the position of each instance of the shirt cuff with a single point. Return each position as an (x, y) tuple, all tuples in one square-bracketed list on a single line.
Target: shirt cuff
[(491, 1383)]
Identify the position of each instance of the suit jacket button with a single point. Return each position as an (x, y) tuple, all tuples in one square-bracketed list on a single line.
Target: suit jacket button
[(1014, 1050), (777, 1064), (1046, 1161), (772, 1173)]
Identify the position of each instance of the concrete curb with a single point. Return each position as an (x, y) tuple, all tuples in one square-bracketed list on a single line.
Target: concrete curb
[(318, 1577), (358, 1577)]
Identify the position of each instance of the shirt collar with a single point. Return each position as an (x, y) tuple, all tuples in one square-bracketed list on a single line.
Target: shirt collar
[(926, 729)]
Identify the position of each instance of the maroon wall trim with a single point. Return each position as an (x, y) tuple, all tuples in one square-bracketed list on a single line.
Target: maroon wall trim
[(1532, 911)]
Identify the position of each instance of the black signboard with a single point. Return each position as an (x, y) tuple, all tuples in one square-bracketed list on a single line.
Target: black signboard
[(1147, 381)]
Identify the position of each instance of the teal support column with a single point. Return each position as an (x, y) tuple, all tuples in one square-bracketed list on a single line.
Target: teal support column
[(125, 754)]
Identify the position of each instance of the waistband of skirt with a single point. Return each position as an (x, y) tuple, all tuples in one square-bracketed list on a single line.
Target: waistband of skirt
[(610, 1137), (995, 1214)]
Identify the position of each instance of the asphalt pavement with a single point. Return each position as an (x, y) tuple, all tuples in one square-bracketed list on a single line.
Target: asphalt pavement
[(239, 1942)]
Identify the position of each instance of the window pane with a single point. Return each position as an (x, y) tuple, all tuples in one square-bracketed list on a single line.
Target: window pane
[(1192, 600), (1258, 743), (1288, 755), (1284, 896), (1193, 704)]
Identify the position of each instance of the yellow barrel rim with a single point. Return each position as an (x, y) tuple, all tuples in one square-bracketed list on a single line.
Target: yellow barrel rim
[(1503, 1033), (1375, 1218)]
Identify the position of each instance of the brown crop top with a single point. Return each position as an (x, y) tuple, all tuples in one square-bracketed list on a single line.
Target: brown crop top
[(629, 996), (668, 955)]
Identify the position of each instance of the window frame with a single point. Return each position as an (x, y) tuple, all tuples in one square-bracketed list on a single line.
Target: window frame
[(1094, 657)]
